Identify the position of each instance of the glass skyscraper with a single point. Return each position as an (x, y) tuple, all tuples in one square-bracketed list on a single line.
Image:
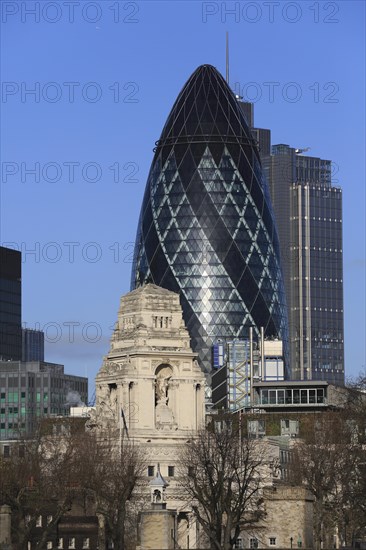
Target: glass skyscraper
[(309, 218), (206, 227)]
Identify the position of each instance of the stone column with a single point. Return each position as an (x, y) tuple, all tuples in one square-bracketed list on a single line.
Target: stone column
[(173, 399), (157, 528)]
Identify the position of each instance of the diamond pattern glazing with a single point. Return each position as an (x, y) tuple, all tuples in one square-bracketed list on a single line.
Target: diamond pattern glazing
[(206, 228)]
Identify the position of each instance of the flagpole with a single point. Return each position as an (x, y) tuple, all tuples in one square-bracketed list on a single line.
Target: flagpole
[(227, 57), (120, 432)]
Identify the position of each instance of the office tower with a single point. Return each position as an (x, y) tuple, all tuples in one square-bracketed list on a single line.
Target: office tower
[(308, 213), (244, 363), (10, 304), (30, 391), (32, 345), (206, 227), (308, 210), (262, 136)]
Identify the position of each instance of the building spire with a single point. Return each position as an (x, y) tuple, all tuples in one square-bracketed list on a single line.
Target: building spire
[(227, 57)]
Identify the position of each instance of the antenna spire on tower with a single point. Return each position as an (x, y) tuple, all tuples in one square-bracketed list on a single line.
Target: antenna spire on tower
[(227, 57)]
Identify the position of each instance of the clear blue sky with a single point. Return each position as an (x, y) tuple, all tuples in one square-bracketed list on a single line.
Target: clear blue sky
[(105, 76)]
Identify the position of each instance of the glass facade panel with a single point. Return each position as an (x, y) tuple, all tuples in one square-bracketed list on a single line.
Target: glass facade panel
[(10, 305), (320, 396), (206, 227), (309, 220), (264, 394)]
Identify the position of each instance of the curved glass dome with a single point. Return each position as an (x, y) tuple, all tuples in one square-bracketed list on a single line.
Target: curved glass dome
[(206, 228)]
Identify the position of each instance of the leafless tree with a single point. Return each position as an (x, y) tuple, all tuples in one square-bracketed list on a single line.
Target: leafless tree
[(330, 462), (47, 475), (111, 471), (220, 473), (38, 477)]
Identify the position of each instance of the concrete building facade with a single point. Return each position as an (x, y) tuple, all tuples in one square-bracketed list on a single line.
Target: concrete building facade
[(30, 391)]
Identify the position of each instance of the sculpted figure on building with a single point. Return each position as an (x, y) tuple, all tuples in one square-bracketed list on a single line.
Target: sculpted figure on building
[(150, 381)]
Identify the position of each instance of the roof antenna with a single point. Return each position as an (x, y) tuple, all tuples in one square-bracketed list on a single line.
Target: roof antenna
[(227, 57)]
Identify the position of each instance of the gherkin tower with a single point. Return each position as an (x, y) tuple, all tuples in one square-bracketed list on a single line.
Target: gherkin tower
[(206, 228)]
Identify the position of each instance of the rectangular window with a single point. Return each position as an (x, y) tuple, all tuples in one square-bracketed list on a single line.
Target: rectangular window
[(6, 451), (150, 471), (320, 396), (39, 521), (272, 541), (253, 543), (280, 397), (86, 543), (60, 543), (49, 544), (171, 471), (264, 394), (272, 397), (239, 543), (72, 542)]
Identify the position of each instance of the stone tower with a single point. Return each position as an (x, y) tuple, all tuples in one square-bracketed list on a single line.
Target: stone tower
[(150, 386), (150, 383)]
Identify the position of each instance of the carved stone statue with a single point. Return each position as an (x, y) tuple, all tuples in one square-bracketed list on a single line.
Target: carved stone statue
[(157, 496), (162, 385), (164, 418), (163, 375)]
